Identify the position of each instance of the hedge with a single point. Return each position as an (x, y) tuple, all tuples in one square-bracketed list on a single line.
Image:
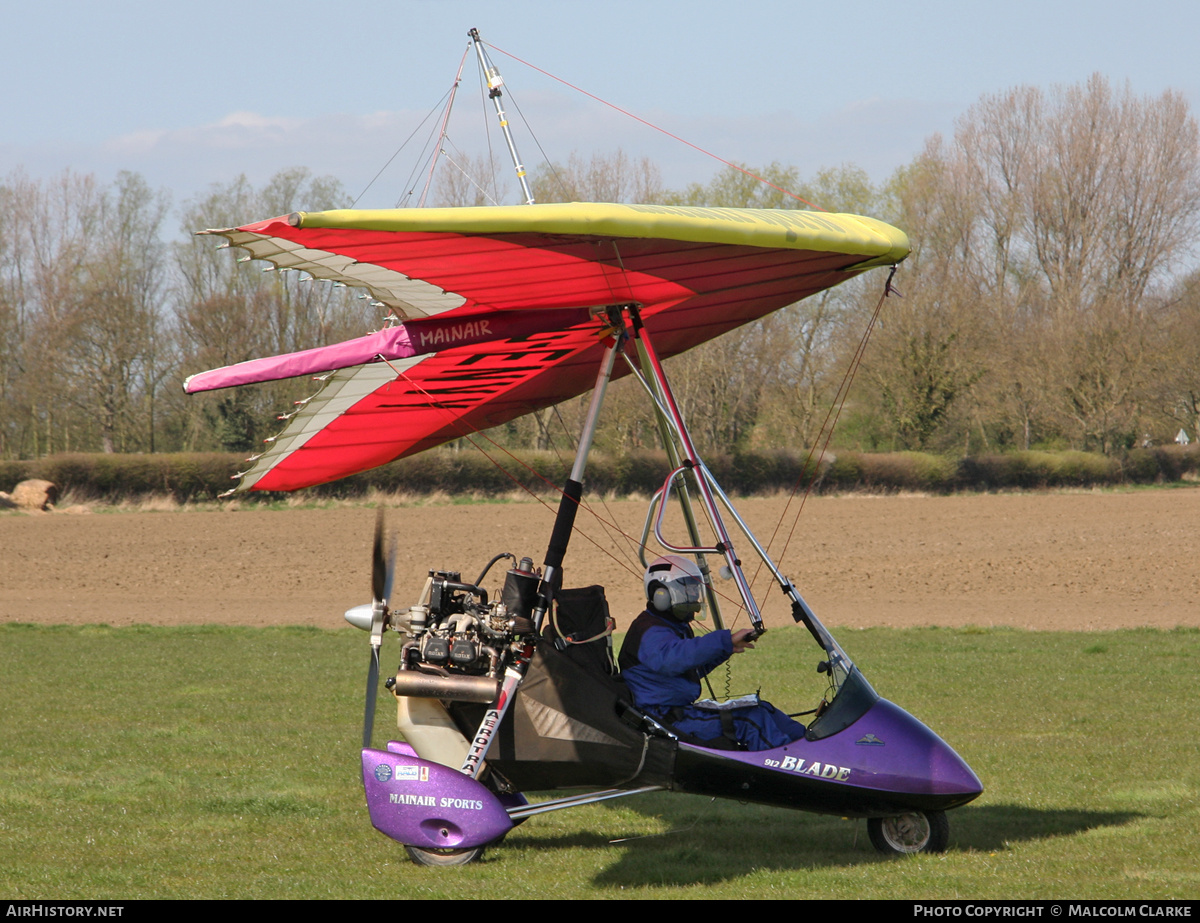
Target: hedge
[(192, 477)]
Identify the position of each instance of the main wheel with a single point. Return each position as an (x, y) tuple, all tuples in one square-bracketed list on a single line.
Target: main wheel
[(443, 858), (920, 831)]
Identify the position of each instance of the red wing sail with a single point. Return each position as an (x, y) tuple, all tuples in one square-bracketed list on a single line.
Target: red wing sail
[(696, 272)]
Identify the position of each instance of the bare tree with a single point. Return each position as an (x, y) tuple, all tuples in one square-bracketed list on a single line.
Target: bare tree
[(1175, 375), (13, 321), (81, 283), (773, 381), (610, 177), (229, 311), (113, 325), (1041, 229), (809, 345), (740, 187), (471, 181)]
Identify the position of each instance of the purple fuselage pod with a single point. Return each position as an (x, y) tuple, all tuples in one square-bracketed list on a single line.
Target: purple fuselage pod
[(428, 805), (886, 762)]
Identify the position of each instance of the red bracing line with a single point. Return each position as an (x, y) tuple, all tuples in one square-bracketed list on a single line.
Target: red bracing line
[(638, 118), (467, 435), (828, 426), (584, 506)]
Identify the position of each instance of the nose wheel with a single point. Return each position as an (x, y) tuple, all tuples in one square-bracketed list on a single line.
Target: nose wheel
[(443, 858), (919, 831)]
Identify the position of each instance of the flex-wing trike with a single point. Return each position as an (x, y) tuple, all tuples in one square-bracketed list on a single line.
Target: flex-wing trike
[(498, 696)]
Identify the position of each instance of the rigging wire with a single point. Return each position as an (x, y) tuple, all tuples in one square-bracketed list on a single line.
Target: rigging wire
[(487, 124), (825, 433), (428, 151), (442, 129), (437, 106), (466, 434), (649, 124), (467, 176), (562, 185)]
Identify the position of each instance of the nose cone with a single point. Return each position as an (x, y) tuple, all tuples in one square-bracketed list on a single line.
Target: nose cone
[(900, 754), (361, 616), (427, 805), (950, 777)]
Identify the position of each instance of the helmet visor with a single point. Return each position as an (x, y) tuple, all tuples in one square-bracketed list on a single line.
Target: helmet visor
[(685, 595)]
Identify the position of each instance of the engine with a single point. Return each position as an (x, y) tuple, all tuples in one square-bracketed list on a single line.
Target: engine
[(458, 641)]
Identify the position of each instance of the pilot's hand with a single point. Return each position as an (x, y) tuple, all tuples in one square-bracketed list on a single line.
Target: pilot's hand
[(743, 640)]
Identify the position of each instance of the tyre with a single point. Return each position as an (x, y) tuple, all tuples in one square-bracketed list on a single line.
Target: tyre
[(443, 858), (920, 831)]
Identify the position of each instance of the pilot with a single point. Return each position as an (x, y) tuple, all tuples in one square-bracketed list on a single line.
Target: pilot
[(662, 663)]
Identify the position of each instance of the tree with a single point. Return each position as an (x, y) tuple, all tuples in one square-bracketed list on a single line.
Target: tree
[(738, 186), (80, 301), (600, 178), (463, 180), (924, 358), (13, 320), (1175, 384), (1041, 232), (808, 346), (114, 327), (229, 311), (47, 229)]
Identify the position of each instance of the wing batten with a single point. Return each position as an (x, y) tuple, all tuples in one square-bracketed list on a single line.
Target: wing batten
[(339, 393), (407, 296)]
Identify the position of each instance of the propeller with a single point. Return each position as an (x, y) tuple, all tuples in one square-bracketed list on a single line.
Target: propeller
[(383, 570)]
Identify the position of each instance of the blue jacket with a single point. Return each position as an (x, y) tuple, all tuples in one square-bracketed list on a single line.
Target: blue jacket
[(662, 662)]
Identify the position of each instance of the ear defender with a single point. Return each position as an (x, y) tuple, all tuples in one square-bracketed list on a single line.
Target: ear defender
[(660, 598)]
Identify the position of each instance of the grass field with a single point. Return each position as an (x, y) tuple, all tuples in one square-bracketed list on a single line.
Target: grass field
[(223, 762)]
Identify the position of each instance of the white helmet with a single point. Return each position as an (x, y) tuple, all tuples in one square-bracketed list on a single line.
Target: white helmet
[(674, 586)]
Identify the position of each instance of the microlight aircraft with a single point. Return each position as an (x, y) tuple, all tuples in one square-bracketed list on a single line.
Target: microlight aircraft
[(499, 311)]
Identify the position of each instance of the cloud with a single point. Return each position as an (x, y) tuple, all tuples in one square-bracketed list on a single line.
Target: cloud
[(243, 130), (877, 134)]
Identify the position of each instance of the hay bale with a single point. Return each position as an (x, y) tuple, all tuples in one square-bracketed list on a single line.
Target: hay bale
[(35, 494)]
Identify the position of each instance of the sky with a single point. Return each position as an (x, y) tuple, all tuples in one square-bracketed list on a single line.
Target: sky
[(192, 95)]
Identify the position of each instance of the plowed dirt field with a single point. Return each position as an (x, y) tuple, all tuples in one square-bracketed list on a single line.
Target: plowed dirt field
[(1044, 561)]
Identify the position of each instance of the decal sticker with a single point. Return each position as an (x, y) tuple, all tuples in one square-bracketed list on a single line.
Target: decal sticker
[(869, 740), (805, 768), (480, 744), (383, 772), (472, 330), (425, 801), (465, 804)]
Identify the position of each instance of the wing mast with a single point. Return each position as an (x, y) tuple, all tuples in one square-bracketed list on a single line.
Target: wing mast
[(495, 82)]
